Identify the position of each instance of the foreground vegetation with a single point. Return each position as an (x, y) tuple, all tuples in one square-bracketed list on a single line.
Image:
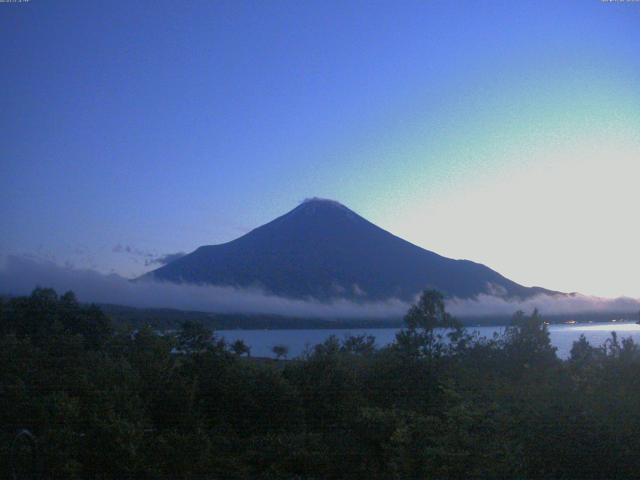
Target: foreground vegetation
[(116, 403)]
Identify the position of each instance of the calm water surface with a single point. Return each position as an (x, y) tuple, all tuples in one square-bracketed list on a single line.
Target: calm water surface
[(562, 336)]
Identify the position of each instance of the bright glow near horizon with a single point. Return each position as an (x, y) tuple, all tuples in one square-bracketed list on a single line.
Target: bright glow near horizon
[(568, 223)]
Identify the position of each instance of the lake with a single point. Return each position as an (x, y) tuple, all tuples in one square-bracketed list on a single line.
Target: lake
[(562, 336)]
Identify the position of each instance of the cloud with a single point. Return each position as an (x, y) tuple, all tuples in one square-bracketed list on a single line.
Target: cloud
[(119, 248), (485, 305), (149, 258), (20, 275), (164, 259)]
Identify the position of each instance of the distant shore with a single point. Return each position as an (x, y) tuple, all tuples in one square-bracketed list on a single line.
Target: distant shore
[(165, 319)]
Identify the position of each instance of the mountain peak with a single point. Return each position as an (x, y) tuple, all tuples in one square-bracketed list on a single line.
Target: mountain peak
[(324, 207), (322, 201), (314, 203), (322, 249)]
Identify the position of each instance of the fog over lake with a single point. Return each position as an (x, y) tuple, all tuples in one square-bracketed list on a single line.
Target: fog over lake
[(562, 336)]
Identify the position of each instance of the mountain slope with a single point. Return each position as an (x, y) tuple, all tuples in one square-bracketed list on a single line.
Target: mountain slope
[(322, 249)]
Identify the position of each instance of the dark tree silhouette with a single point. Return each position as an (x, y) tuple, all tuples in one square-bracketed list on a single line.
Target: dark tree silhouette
[(240, 348), (280, 351)]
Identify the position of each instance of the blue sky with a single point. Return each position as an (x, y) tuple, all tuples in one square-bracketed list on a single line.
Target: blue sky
[(503, 132)]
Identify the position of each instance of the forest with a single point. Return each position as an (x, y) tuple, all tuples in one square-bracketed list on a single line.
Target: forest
[(84, 397)]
